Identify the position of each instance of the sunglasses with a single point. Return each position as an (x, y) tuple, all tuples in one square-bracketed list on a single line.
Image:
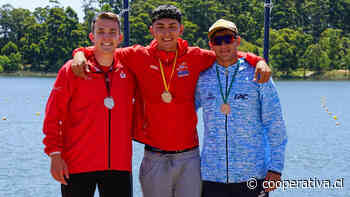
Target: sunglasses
[(218, 40)]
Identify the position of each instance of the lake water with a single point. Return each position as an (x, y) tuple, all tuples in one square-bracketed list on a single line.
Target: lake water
[(317, 148)]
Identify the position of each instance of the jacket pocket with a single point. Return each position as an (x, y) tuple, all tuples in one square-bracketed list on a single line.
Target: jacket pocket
[(147, 166)]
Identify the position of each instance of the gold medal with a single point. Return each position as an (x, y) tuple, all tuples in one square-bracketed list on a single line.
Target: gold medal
[(166, 97), (225, 108)]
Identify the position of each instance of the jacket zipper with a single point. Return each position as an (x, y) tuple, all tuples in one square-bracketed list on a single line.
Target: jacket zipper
[(227, 178), (109, 138), (108, 84)]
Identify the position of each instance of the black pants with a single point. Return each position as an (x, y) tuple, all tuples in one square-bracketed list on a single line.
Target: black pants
[(215, 189), (109, 183)]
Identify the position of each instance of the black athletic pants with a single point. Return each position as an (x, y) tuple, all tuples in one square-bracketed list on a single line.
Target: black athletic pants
[(109, 183), (215, 189)]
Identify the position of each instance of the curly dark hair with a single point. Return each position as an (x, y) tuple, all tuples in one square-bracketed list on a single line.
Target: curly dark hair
[(166, 11)]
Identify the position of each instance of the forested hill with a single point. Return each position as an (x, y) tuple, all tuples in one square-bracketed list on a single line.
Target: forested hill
[(306, 35)]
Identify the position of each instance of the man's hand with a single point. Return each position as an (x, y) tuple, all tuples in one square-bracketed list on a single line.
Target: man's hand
[(79, 65), (263, 71), (59, 169), (271, 176)]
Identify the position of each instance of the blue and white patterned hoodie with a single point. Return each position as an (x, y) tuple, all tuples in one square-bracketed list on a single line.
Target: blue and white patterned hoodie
[(254, 139)]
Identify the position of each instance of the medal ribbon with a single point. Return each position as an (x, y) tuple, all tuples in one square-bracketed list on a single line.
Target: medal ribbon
[(108, 82), (224, 98), (167, 85)]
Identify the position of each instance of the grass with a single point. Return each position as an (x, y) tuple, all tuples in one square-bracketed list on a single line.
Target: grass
[(312, 75)]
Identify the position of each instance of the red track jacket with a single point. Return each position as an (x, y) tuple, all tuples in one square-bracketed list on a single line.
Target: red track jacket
[(167, 126), (77, 122)]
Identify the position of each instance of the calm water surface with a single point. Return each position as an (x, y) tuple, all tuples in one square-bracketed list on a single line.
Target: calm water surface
[(317, 147)]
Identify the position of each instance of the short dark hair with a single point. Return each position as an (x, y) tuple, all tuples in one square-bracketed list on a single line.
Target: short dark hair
[(166, 11), (105, 15)]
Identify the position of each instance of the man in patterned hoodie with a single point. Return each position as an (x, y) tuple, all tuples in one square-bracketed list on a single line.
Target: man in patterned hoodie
[(166, 72), (245, 134)]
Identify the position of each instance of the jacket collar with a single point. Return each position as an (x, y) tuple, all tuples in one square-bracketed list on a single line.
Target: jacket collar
[(94, 67), (231, 68), (182, 46)]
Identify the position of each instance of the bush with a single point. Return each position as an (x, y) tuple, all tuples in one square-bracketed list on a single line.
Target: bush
[(16, 59), (9, 48), (4, 62), (12, 63), (1, 69)]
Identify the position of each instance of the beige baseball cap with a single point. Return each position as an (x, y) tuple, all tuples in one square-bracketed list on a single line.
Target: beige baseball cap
[(222, 24)]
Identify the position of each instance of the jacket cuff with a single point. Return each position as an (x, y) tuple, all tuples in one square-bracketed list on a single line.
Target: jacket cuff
[(54, 153), (88, 51), (275, 172)]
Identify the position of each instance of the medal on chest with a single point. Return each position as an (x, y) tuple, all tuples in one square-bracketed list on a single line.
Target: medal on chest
[(109, 102), (166, 95), (225, 108)]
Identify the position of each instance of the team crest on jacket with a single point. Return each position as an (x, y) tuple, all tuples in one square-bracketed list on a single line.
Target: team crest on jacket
[(154, 67), (122, 75), (241, 97), (182, 70)]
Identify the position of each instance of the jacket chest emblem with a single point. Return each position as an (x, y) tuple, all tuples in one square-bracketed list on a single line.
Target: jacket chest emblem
[(122, 75), (182, 70), (154, 67), (241, 97), (210, 96)]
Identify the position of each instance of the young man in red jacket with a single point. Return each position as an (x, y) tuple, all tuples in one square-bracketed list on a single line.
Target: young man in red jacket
[(88, 123), (167, 71)]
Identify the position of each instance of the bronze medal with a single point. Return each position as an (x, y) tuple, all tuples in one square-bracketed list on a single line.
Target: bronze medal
[(166, 97), (225, 109)]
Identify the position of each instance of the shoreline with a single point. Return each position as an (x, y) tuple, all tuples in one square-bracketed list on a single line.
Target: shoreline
[(29, 74), (328, 76)]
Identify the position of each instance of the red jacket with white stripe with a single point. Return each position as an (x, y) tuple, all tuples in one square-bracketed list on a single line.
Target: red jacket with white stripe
[(167, 126), (77, 122)]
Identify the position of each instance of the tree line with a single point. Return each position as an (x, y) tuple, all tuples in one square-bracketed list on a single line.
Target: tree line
[(305, 35)]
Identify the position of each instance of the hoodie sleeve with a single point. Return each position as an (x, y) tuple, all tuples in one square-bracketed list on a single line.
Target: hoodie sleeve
[(56, 111), (88, 51), (129, 57), (207, 58), (197, 98), (274, 125), (251, 58)]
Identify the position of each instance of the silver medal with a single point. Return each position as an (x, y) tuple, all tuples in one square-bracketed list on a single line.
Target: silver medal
[(109, 102)]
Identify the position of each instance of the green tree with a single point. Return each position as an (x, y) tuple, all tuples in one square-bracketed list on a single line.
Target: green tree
[(316, 58), (64, 33), (284, 14), (282, 57), (4, 62), (330, 41), (115, 6), (288, 48), (11, 63), (14, 23), (9, 48)]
